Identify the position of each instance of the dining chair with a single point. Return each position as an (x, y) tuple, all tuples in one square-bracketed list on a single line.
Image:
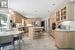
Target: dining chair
[(6, 41)]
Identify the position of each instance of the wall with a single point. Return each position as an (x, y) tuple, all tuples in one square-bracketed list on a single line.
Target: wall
[(74, 10)]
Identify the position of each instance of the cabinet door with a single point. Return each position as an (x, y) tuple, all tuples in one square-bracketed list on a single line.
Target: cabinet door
[(64, 39), (4, 21), (59, 39), (18, 19)]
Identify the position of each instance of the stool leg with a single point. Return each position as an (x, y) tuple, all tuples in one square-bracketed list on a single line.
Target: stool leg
[(1, 48), (13, 43), (19, 42)]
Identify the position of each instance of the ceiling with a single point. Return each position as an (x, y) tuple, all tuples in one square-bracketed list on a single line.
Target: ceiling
[(30, 8), (34, 8)]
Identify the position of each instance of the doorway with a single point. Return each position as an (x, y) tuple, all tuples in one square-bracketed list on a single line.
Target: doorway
[(43, 25), (53, 26)]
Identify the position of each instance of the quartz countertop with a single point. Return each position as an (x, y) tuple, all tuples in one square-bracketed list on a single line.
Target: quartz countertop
[(24, 26), (64, 30), (6, 33), (30, 26), (37, 27)]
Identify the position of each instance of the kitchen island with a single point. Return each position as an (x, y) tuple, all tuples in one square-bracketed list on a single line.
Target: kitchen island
[(12, 33), (35, 32), (6, 33)]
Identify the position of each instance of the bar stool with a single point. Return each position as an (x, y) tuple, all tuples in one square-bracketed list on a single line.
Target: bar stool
[(18, 38), (6, 41)]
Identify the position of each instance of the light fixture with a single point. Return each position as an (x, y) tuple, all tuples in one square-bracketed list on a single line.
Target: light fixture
[(53, 4), (11, 12), (72, 0), (8, 15)]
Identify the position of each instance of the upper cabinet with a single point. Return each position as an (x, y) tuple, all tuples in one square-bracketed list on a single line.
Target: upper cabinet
[(18, 18), (61, 14), (64, 13), (58, 16)]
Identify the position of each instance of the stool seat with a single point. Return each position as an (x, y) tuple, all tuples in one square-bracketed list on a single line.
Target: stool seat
[(6, 41), (16, 38), (5, 44)]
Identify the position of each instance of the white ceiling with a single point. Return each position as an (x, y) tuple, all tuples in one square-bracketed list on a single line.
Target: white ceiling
[(30, 7), (38, 8), (54, 4)]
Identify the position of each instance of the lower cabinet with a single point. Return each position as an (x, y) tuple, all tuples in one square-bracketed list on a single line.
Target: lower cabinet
[(65, 39), (35, 33)]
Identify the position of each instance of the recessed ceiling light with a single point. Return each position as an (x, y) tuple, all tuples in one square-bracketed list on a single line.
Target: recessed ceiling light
[(53, 4), (72, 0), (8, 15)]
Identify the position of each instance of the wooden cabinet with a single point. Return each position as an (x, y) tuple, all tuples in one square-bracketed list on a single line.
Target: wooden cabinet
[(62, 14), (28, 21), (65, 39), (35, 32), (65, 13), (17, 18), (58, 16)]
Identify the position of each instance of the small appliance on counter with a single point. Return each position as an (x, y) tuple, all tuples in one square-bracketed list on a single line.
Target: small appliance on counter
[(66, 25)]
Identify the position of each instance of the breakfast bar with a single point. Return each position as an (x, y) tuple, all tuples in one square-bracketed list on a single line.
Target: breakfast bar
[(12, 33), (35, 32)]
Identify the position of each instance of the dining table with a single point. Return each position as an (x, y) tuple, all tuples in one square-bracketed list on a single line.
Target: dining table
[(14, 33)]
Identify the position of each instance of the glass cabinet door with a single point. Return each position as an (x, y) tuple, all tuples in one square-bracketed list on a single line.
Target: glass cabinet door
[(4, 21)]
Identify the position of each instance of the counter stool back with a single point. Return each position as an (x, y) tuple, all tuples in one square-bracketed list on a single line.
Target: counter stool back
[(6, 41)]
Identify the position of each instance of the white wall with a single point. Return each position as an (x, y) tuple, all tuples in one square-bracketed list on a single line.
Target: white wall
[(74, 11)]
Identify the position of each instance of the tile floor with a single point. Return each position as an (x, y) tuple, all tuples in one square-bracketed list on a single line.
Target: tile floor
[(44, 43)]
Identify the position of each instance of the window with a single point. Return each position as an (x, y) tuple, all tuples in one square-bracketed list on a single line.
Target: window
[(3, 3)]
